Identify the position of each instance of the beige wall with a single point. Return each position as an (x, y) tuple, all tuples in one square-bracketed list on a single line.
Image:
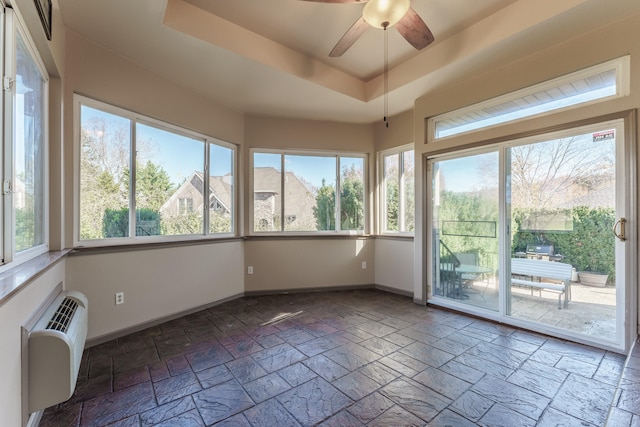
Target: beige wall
[(606, 43), (156, 282), (286, 264), (399, 132), (15, 313), (394, 264)]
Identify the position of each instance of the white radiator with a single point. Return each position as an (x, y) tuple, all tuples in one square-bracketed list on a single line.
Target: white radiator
[(56, 343)]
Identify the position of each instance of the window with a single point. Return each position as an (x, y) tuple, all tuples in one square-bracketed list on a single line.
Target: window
[(594, 84), (302, 192), (164, 197), (185, 205), (25, 215), (397, 198)]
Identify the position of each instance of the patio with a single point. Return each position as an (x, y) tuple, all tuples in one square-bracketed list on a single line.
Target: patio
[(592, 310)]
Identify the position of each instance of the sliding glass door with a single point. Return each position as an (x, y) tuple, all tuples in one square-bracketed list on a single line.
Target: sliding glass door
[(466, 229), (532, 232)]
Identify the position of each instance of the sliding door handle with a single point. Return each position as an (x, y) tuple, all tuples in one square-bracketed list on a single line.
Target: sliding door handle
[(620, 236)]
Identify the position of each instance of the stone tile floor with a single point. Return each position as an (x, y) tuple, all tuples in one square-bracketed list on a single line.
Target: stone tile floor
[(345, 358)]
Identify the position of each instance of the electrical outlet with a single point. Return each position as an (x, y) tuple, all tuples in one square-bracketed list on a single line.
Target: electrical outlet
[(364, 265), (119, 298), (250, 269)]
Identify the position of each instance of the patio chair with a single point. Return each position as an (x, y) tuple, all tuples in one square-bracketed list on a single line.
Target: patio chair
[(468, 279)]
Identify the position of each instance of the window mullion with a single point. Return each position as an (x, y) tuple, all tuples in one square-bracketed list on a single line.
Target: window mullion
[(206, 191), (132, 180), (282, 179), (337, 195)]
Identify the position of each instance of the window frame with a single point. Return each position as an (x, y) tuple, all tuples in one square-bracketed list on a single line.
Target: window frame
[(310, 153), (135, 118), (382, 191), (11, 26), (621, 66)]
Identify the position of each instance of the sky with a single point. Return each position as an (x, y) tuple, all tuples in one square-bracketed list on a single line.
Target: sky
[(178, 155), (181, 155), (467, 173), (312, 169)]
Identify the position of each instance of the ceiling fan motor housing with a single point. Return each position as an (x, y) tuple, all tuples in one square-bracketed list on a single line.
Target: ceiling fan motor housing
[(385, 13)]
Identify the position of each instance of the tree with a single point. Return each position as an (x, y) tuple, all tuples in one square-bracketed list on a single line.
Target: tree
[(468, 222), (153, 185), (548, 173), (105, 176), (351, 199), (351, 202), (392, 203), (104, 160), (325, 209)]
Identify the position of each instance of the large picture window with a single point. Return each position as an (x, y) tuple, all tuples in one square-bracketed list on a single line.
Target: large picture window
[(397, 190), (181, 184), (302, 192), (24, 214)]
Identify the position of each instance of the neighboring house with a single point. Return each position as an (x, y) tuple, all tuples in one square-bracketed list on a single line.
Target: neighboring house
[(188, 197), (300, 200), (298, 209)]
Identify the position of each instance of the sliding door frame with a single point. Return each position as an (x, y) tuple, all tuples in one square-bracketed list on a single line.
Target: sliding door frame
[(629, 306)]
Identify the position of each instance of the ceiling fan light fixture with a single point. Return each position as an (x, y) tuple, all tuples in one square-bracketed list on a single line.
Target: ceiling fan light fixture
[(385, 13)]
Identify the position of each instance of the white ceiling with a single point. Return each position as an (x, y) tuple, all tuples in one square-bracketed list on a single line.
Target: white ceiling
[(271, 56)]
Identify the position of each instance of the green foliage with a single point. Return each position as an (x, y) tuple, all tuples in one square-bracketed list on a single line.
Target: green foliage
[(351, 200), (470, 214), (153, 185), (589, 247), (325, 208), (188, 223), (220, 222), (115, 223), (392, 203), (24, 229), (147, 222), (351, 203)]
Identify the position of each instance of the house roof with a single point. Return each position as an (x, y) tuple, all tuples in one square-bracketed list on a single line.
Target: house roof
[(222, 189)]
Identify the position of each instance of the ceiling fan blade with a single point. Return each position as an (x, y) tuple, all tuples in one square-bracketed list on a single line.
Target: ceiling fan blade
[(349, 38), (414, 30), (338, 1)]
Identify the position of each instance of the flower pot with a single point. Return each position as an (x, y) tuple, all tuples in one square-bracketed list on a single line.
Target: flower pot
[(590, 278)]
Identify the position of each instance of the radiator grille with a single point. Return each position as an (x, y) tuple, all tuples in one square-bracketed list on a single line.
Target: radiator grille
[(63, 315)]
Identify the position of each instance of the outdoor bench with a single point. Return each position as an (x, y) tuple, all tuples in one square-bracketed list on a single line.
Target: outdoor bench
[(528, 269)]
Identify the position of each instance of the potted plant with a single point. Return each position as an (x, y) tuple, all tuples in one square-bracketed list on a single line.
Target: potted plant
[(591, 278)]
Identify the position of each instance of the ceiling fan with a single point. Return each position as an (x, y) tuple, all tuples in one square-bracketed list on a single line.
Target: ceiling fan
[(384, 14)]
